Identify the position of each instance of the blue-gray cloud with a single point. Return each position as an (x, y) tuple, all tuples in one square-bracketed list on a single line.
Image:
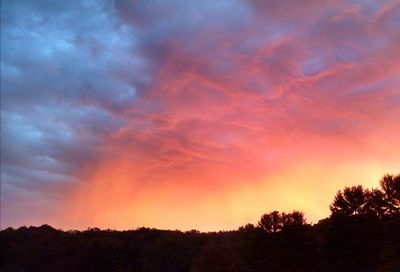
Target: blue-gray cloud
[(61, 92)]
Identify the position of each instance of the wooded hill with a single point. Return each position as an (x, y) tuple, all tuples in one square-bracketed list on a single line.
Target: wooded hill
[(361, 234)]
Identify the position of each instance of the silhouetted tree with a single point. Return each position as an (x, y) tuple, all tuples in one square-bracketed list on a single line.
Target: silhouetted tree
[(271, 222), (390, 185), (293, 219), (375, 203), (247, 227), (349, 202), (274, 221)]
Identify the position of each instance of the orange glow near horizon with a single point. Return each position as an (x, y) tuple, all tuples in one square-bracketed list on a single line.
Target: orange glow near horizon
[(223, 200)]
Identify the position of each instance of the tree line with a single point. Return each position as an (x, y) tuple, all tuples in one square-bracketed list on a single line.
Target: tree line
[(351, 201), (361, 234)]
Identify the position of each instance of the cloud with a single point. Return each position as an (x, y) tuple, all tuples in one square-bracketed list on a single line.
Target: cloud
[(130, 98), (59, 94)]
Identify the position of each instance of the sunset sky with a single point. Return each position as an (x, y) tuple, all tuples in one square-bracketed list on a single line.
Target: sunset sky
[(186, 114)]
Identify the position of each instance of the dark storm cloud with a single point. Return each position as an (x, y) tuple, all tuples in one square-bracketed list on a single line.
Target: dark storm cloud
[(60, 89)]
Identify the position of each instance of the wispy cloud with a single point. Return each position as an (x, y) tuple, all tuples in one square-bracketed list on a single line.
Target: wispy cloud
[(148, 102)]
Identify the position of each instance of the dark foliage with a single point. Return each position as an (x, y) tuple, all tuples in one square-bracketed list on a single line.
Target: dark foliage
[(362, 234), (275, 221), (379, 203)]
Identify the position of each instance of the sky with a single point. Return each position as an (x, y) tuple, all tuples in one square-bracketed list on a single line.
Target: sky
[(188, 114)]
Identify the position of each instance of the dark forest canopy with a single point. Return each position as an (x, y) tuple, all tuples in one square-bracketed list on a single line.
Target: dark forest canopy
[(361, 234)]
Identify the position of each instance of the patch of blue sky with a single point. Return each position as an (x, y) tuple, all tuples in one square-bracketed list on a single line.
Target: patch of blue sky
[(313, 65)]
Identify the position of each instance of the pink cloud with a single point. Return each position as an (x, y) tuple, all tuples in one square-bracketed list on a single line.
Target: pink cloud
[(228, 99)]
